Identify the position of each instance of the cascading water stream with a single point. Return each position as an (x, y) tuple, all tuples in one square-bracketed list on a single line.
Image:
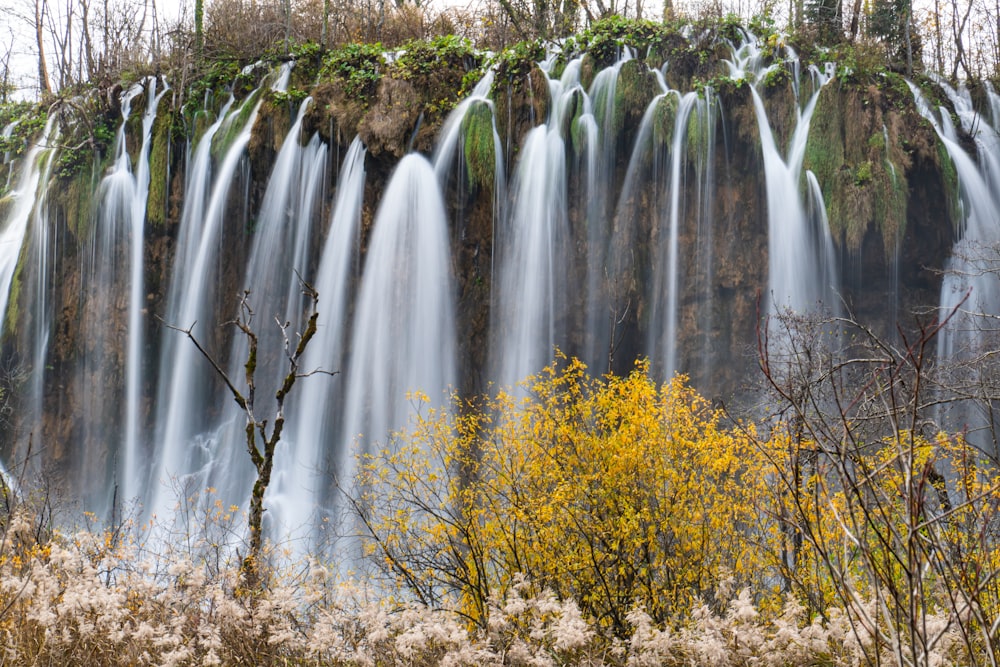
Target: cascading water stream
[(970, 291), (450, 139), (301, 475), (671, 266), (704, 158), (278, 260), (598, 122), (532, 259), (403, 334), (198, 190), (30, 198), (129, 191), (663, 154), (532, 247), (6, 134), (107, 320), (137, 295), (801, 278), (969, 267), (185, 437)]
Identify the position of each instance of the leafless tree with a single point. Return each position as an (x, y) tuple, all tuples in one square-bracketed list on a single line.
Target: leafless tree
[(262, 435), (910, 512)]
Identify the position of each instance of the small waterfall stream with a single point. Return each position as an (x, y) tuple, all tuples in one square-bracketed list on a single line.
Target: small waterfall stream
[(970, 291), (183, 456), (122, 215), (403, 333), (277, 264), (302, 476), (26, 222), (801, 270)]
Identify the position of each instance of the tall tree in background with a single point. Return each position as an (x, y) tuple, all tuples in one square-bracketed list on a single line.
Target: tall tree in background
[(286, 8), (324, 34), (827, 18), (6, 85), (199, 29), (891, 22), (959, 22), (44, 86)]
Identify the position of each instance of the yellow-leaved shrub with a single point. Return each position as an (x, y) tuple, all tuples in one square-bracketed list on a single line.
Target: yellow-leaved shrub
[(614, 492)]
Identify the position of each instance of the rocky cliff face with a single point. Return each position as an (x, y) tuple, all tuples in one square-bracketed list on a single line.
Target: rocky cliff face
[(887, 186)]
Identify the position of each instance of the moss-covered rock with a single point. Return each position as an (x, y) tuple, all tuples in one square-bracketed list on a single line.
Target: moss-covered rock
[(390, 123), (234, 124), (75, 197), (856, 150), (575, 128), (395, 103), (438, 70), (274, 119), (159, 165), (949, 176), (521, 107), (12, 319), (664, 119), (478, 146)]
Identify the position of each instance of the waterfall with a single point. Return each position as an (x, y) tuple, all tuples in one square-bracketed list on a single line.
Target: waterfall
[(800, 277), (30, 189), (667, 269), (27, 211), (302, 474), (532, 246), (121, 214), (970, 291), (604, 232), (186, 436), (596, 122), (6, 134), (532, 257), (278, 261), (451, 133), (182, 302), (402, 336)]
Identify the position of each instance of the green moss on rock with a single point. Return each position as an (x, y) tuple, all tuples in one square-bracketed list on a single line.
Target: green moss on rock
[(12, 316), (577, 130), (75, 197), (633, 90), (698, 133), (949, 176), (159, 167), (478, 146), (862, 180), (234, 124), (664, 119)]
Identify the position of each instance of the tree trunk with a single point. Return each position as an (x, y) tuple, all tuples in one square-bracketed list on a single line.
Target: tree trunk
[(199, 30), (86, 46), (856, 19), (938, 41), (909, 41), (287, 6), (325, 30), (43, 67)]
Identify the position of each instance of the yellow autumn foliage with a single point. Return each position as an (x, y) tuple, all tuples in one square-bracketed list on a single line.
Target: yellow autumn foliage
[(620, 493), (896, 531), (610, 491)]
